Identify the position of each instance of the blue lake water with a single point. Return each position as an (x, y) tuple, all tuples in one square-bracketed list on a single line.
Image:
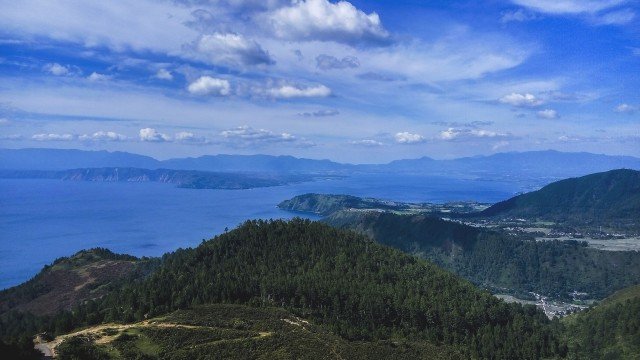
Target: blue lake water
[(41, 220)]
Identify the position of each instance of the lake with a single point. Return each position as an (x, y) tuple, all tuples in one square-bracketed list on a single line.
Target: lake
[(41, 220)]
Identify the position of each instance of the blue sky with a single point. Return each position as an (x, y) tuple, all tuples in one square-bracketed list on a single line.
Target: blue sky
[(361, 81)]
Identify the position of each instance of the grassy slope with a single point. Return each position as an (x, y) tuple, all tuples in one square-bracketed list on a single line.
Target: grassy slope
[(241, 332), (68, 282)]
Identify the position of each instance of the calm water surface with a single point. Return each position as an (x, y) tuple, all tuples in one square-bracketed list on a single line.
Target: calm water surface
[(41, 220)]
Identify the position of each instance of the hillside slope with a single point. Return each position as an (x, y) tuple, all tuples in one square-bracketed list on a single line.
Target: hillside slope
[(224, 331), (70, 281), (602, 197), (342, 281), (496, 260), (610, 330)]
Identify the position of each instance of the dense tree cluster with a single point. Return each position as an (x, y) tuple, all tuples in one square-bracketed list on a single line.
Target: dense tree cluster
[(343, 281), (608, 198), (611, 330), (496, 260)]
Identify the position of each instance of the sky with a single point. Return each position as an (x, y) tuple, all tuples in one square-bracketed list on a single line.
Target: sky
[(360, 81)]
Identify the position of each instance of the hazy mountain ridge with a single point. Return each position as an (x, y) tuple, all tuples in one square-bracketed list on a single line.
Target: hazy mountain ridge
[(182, 178), (550, 165)]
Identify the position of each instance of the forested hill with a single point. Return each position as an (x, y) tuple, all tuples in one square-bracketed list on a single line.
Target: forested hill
[(610, 330), (496, 260), (324, 204), (350, 285), (602, 197)]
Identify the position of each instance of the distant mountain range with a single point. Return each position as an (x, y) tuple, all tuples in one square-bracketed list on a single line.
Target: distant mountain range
[(608, 196), (551, 165)]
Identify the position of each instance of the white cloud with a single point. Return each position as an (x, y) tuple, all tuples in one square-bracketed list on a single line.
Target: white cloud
[(289, 91), (569, 6), (322, 20), (366, 142), (4, 121), (619, 17), (230, 49), (547, 114), (53, 137), (625, 108), (207, 85), (186, 137), (151, 135), (103, 136), (246, 135), (98, 77), (138, 25), (56, 69), (408, 138), (598, 12), (454, 134), (521, 100), (164, 74), (459, 54)]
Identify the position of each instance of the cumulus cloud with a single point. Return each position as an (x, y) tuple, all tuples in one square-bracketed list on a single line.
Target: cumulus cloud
[(103, 136), (328, 62), (56, 69), (98, 77), (290, 91), (625, 108), (164, 74), (547, 114), (187, 137), (456, 134), (320, 113), (230, 49), (325, 21), (521, 100), (53, 137), (151, 135), (366, 142), (246, 135), (408, 138), (207, 85)]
